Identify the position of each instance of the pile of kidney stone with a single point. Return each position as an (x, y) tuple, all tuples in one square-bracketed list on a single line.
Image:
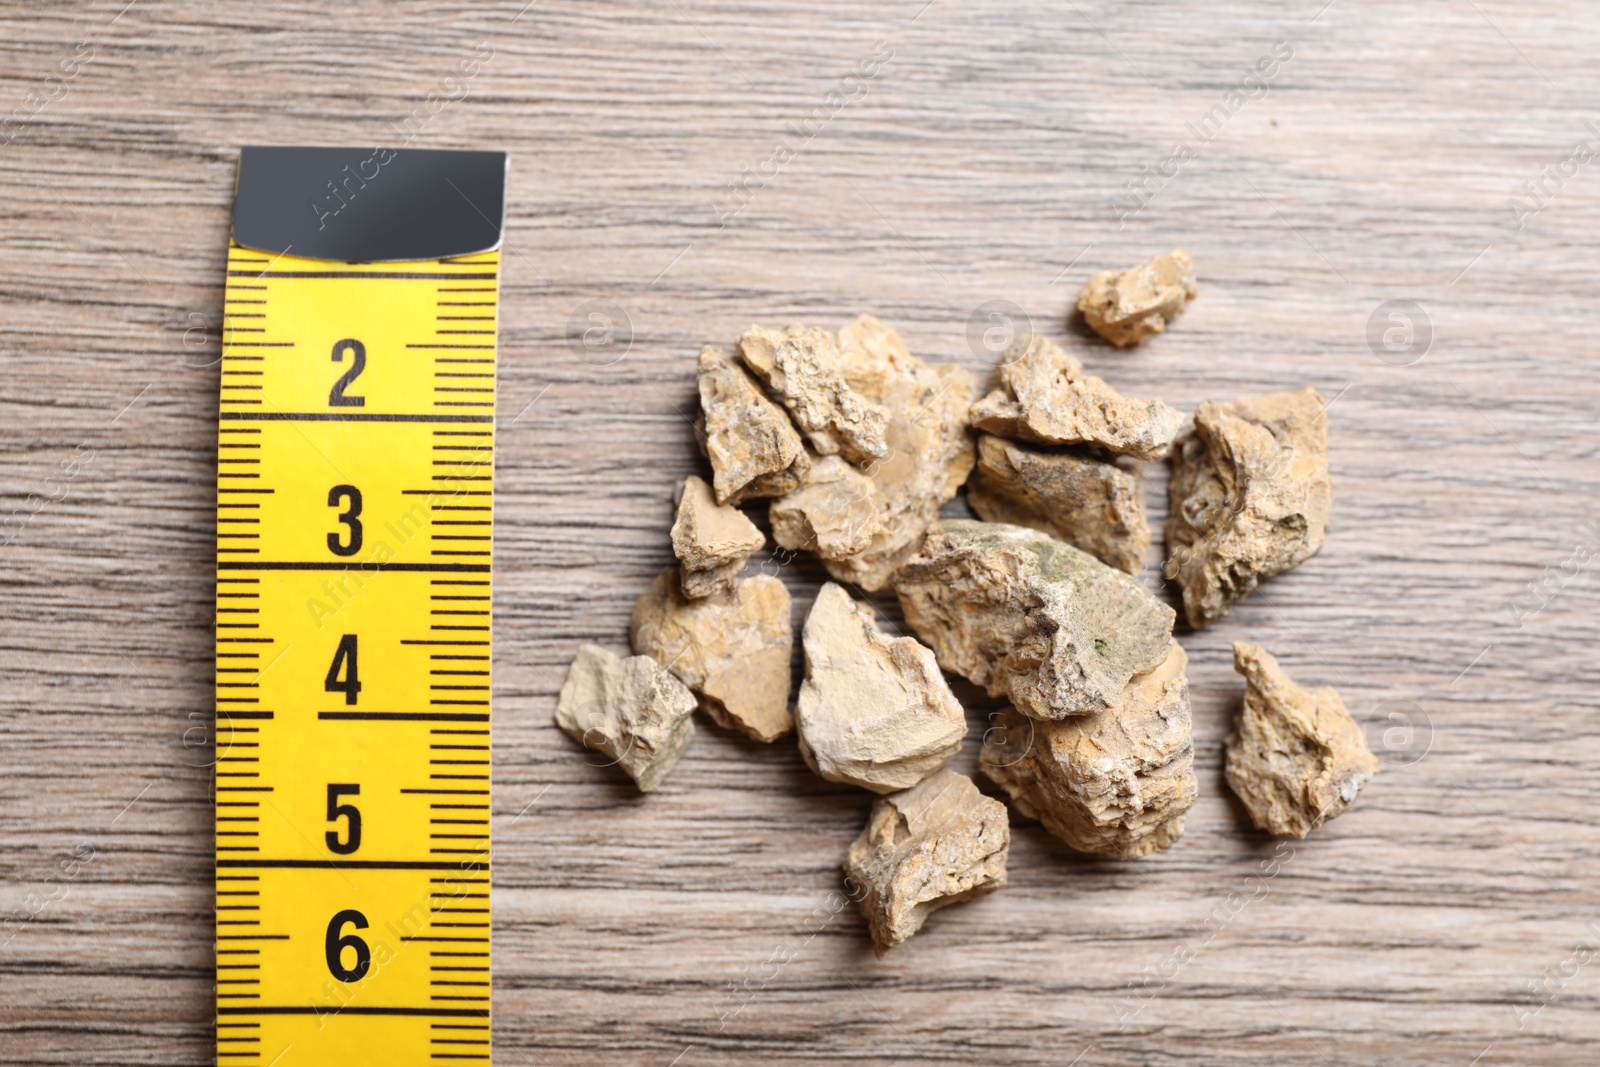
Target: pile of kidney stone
[(856, 444)]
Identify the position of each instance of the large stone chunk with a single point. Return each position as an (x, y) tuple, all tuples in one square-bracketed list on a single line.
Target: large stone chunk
[(1128, 306), (633, 710), (929, 452), (1027, 617), (1045, 397), (937, 844), (733, 650), (1250, 496), (712, 541), (1097, 506), (1117, 782), (873, 711), (754, 449), (834, 514), (804, 369), (1296, 757)]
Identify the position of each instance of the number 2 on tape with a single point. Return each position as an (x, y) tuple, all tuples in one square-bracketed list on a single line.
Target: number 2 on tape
[(355, 464)]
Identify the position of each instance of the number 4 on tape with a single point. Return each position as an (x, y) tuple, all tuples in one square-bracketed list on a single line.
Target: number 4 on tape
[(355, 464)]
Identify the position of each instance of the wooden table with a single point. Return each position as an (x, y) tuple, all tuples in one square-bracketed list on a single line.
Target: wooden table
[(1452, 918)]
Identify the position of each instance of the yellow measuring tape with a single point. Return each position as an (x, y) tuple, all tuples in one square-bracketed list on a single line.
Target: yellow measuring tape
[(354, 534)]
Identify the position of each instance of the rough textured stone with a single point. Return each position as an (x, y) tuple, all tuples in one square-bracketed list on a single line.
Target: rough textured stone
[(754, 449), (1128, 306), (1117, 782), (712, 541), (1045, 397), (1250, 496), (929, 451), (834, 514), (733, 650), (633, 710), (1097, 506), (939, 843), (1296, 757), (804, 369), (873, 711), (1028, 617), (874, 355)]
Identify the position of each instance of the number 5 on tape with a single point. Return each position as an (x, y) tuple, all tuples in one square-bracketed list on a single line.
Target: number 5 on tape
[(355, 464)]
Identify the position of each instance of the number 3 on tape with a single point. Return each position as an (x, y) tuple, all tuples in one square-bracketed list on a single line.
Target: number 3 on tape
[(355, 464)]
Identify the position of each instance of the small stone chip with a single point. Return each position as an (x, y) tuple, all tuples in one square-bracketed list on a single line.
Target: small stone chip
[(1117, 782), (1250, 496), (875, 355), (1096, 506), (712, 541), (753, 447), (733, 649), (803, 366), (1296, 757), (929, 447), (1127, 307), (1030, 618), (938, 843), (1045, 397), (834, 513), (862, 536), (873, 711), (633, 710)]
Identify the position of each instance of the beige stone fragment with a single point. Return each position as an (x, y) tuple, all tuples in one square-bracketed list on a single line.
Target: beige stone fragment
[(939, 843), (1250, 496), (930, 457), (873, 711), (834, 514), (754, 449), (1295, 757), (1128, 306), (804, 369), (1031, 618), (733, 650), (1116, 782), (712, 541), (929, 447), (633, 710), (1096, 506), (1045, 397), (874, 355)]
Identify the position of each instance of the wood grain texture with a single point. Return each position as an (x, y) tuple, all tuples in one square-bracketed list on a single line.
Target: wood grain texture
[(1450, 919)]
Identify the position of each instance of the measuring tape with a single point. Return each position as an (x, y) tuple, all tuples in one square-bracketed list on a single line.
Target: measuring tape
[(354, 537)]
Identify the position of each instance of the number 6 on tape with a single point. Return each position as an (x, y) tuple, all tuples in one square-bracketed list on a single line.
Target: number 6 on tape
[(355, 465)]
